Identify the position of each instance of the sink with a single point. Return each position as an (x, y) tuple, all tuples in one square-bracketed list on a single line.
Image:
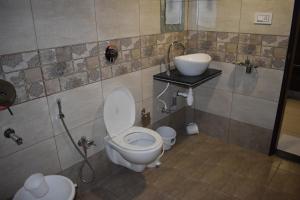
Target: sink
[(192, 64)]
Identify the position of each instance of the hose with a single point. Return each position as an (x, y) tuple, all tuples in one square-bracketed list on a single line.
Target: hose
[(162, 101), (83, 155)]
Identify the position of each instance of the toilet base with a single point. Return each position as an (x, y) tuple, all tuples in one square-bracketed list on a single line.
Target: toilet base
[(117, 158)]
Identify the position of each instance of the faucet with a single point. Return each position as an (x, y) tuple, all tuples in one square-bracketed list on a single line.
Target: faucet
[(175, 44), (249, 66), (86, 143), (10, 133)]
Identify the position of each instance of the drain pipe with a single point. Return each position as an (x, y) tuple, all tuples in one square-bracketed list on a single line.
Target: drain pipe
[(189, 96)]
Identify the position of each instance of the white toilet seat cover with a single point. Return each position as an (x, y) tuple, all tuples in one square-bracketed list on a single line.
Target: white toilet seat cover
[(119, 111)]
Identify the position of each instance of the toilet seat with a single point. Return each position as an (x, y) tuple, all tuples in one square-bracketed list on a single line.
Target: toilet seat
[(138, 139), (119, 118)]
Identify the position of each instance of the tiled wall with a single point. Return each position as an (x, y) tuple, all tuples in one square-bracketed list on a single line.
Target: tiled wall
[(54, 49), (238, 107)]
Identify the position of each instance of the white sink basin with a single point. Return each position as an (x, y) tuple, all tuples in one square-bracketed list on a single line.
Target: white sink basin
[(192, 64)]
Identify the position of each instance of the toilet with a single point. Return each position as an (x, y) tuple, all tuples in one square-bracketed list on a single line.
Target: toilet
[(128, 145)]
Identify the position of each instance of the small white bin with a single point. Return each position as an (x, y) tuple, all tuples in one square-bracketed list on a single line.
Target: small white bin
[(168, 135)]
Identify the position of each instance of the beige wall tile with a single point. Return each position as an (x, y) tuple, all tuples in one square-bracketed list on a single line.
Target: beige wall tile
[(132, 81), (254, 111), (282, 15), (147, 80), (80, 105), (149, 17), (117, 19), (31, 121), (214, 101), (17, 29), (68, 155), (60, 23)]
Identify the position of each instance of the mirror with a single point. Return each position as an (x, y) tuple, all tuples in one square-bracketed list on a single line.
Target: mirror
[(172, 15)]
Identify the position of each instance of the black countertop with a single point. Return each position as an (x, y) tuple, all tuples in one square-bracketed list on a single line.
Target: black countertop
[(187, 81)]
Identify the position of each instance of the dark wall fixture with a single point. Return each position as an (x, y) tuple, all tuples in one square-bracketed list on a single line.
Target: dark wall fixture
[(7, 95), (111, 53)]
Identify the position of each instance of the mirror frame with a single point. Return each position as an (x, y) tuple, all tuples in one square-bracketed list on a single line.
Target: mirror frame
[(170, 27)]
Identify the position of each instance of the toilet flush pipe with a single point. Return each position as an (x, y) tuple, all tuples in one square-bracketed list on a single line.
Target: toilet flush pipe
[(165, 107)]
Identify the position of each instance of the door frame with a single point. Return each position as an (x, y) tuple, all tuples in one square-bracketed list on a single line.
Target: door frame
[(293, 39)]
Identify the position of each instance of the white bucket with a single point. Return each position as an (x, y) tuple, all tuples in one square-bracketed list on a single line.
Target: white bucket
[(168, 135), (60, 188)]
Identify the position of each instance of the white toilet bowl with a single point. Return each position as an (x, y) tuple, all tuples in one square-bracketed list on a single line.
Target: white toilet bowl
[(127, 145)]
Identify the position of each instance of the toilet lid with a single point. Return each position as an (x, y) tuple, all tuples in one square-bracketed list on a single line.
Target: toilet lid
[(119, 111)]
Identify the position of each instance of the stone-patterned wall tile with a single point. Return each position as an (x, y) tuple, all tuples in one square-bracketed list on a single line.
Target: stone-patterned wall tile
[(52, 86), (92, 48), (79, 65), (207, 45), (21, 94), (278, 63), (84, 50), (211, 36), (267, 51), (79, 51), (92, 62), (241, 58), (230, 57), (179, 36), (192, 44), (279, 52), (148, 51), (57, 70), (262, 61), (249, 49), (33, 75), (135, 53), (14, 62), (32, 59), (164, 38), (192, 35), (275, 41), (221, 46), (106, 73), (63, 54), (227, 37), (217, 56), (148, 40), (231, 48), (202, 35), (94, 75), (247, 38), (73, 81), (136, 65), (121, 69), (47, 56), (126, 56), (130, 43), (16, 78), (35, 90)]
